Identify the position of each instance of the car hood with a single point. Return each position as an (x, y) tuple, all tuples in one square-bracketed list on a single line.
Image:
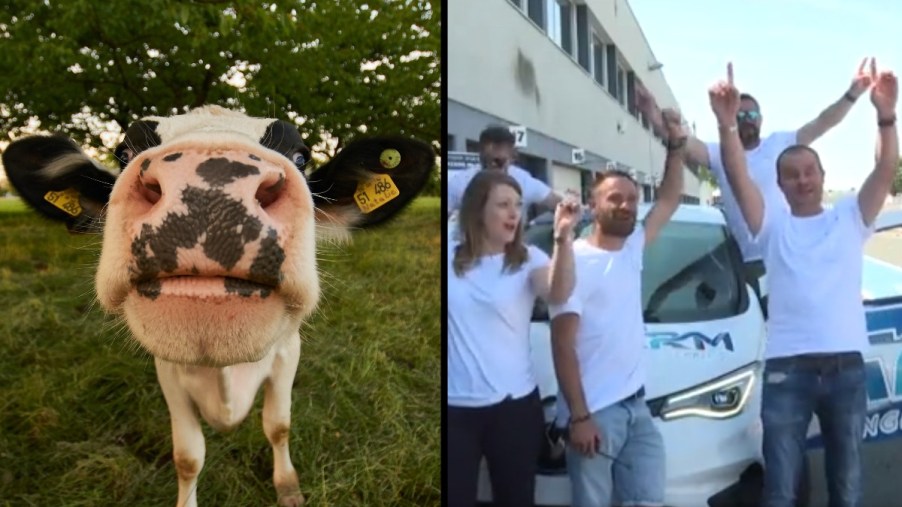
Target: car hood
[(680, 356), (685, 355)]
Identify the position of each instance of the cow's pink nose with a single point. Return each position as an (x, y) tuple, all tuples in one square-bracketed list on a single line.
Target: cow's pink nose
[(234, 174), (270, 191)]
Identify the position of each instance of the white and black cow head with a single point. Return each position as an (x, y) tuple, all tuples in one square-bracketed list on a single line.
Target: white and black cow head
[(209, 230)]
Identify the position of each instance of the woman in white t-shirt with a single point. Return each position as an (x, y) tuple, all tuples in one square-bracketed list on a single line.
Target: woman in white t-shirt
[(494, 279)]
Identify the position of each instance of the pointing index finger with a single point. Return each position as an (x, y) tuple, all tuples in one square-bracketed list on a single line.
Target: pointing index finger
[(864, 61), (730, 72)]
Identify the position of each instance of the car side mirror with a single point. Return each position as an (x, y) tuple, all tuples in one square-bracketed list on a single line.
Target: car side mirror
[(540, 311)]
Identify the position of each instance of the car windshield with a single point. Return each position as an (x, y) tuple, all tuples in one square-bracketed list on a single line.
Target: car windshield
[(691, 273)]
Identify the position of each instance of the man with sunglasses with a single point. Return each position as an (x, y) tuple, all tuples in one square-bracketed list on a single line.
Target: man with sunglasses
[(496, 152), (760, 155)]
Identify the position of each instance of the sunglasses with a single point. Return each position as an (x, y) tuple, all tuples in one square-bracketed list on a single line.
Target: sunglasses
[(748, 115)]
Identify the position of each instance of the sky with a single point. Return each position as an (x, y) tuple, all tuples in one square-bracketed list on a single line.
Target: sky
[(796, 57)]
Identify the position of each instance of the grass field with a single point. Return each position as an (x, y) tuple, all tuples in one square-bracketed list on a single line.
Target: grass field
[(83, 421)]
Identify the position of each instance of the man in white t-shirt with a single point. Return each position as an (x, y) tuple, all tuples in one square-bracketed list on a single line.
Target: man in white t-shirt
[(816, 330), (614, 450), (761, 155), (496, 152)]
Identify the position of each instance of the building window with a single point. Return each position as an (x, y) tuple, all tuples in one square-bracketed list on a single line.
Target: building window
[(566, 9), (555, 18), (611, 59), (450, 143), (536, 11), (621, 85), (582, 37), (631, 94), (472, 146), (598, 60)]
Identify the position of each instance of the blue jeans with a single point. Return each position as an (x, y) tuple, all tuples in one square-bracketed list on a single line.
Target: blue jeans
[(637, 477), (831, 386)]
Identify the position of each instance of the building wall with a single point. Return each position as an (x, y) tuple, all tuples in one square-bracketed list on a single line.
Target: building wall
[(505, 66)]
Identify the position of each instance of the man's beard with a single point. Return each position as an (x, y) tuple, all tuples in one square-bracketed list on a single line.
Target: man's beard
[(749, 134), (619, 224)]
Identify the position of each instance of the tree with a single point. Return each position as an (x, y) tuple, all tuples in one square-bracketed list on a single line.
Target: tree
[(705, 175), (335, 68), (897, 182)]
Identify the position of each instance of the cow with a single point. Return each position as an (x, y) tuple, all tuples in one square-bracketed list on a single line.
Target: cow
[(209, 253)]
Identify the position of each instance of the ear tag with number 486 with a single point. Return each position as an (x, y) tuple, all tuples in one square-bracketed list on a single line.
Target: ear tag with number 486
[(66, 200), (375, 193)]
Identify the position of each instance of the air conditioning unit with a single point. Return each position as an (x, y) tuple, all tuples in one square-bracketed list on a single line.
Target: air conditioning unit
[(610, 166), (577, 156)]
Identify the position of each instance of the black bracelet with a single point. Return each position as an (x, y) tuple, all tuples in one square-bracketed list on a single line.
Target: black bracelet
[(851, 98), (889, 122), (676, 144), (580, 419)]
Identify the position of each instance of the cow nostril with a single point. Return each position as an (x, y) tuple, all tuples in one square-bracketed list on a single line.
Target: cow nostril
[(269, 191), (150, 189)]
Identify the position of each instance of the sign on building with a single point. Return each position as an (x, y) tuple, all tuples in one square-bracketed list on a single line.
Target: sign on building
[(519, 132), (458, 160)]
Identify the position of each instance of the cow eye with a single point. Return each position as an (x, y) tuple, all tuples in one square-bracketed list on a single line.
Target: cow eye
[(126, 156)]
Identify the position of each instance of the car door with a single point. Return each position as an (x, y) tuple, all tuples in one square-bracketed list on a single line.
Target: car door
[(882, 296)]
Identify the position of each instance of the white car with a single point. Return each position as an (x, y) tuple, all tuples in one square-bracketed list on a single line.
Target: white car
[(706, 332)]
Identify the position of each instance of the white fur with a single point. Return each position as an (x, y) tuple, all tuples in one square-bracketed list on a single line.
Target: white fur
[(223, 123), (223, 397), (64, 165)]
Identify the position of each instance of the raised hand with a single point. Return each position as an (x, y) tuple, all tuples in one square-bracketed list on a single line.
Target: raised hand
[(864, 78), (644, 101), (884, 93), (673, 122), (566, 216), (724, 98)]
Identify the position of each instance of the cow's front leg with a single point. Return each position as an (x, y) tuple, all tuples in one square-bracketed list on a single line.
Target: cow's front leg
[(187, 436), (277, 421)]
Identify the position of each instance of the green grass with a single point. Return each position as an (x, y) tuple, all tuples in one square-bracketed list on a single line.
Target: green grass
[(83, 421)]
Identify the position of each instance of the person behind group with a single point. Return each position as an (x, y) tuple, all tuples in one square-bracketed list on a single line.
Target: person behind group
[(614, 450), (816, 332), (497, 152), (494, 279), (760, 154)]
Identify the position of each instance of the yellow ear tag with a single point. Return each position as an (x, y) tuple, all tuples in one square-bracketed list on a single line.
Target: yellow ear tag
[(67, 200), (390, 158), (375, 192)]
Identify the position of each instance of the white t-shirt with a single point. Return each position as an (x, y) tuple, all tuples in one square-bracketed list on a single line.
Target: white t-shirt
[(534, 190), (762, 167), (814, 272), (489, 312), (610, 340)]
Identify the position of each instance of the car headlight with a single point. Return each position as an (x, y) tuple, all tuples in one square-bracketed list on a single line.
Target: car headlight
[(720, 398)]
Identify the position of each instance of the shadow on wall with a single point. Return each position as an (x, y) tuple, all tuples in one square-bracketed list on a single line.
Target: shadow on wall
[(526, 77)]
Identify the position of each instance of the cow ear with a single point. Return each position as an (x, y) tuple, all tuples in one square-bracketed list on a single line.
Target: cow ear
[(59, 181), (370, 181)]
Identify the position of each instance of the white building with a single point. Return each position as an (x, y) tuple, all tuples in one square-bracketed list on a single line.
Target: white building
[(566, 71)]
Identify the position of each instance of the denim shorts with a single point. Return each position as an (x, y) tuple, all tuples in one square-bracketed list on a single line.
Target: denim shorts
[(630, 470)]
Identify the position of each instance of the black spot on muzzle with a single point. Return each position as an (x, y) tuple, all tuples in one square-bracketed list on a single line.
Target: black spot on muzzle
[(219, 224), (219, 172)]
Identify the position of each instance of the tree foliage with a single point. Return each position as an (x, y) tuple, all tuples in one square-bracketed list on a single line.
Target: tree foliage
[(897, 182), (336, 68)]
